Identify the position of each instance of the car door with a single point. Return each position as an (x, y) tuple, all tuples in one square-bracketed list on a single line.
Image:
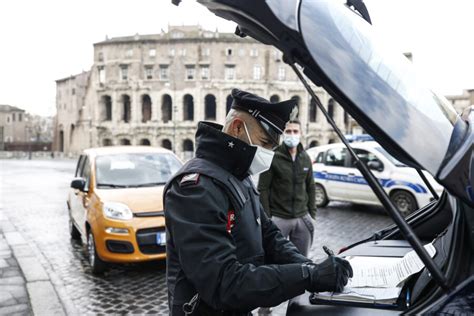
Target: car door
[(361, 191), (73, 200), (79, 199), (335, 173)]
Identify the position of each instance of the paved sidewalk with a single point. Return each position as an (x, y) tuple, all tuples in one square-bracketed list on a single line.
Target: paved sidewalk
[(13, 293), (25, 286)]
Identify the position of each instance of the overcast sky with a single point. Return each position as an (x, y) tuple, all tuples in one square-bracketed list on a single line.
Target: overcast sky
[(42, 41)]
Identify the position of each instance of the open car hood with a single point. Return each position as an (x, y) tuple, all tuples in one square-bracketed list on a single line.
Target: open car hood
[(339, 51)]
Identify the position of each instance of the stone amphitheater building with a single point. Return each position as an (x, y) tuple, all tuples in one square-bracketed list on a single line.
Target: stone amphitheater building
[(462, 101), (153, 89)]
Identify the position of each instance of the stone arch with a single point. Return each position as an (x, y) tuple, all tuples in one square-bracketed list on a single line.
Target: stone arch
[(166, 108), (346, 118), (275, 98), (126, 108), (188, 108), (331, 106), (145, 142), (125, 142), (71, 134), (188, 149), (61, 140), (106, 142), (166, 143), (106, 108), (313, 111), (146, 108), (313, 143), (331, 141), (210, 107), (228, 103), (188, 145), (298, 103)]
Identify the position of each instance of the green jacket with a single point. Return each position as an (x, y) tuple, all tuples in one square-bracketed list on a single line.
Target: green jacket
[(287, 188)]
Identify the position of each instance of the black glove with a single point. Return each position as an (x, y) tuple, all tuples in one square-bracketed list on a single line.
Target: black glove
[(330, 275)]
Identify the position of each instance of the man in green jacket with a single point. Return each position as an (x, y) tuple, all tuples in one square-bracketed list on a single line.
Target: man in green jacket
[(287, 190)]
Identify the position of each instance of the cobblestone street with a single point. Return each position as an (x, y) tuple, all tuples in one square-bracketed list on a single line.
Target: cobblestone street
[(33, 199)]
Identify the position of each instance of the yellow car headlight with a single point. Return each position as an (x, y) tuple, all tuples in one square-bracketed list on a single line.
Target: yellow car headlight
[(115, 210)]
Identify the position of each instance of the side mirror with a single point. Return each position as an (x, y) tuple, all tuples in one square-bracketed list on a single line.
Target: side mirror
[(78, 184), (375, 165)]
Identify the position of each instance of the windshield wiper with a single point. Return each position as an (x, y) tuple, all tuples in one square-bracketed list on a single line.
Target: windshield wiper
[(151, 184), (111, 185)]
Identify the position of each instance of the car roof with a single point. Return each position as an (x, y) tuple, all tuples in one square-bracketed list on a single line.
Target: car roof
[(112, 150), (369, 144)]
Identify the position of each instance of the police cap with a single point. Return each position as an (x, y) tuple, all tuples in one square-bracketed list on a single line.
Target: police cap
[(271, 116)]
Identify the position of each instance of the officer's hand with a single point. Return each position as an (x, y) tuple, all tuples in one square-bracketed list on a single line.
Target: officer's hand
[(330, 275)]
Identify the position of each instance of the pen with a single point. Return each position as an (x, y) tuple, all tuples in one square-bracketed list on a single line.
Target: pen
[(328, 251)]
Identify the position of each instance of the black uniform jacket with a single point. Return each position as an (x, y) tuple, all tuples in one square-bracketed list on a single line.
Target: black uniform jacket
[(287, 188), (220, 243)]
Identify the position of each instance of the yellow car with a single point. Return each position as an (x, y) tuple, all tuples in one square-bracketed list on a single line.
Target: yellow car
[(115, 203)]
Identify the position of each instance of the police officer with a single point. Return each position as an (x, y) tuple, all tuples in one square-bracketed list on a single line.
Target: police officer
[(224, 255)]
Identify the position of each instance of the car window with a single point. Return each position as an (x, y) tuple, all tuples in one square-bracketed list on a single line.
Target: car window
[(86, 172), (390, 157), (365, 156), (135, 169), (319, 158), (335, 157), (79, 166)]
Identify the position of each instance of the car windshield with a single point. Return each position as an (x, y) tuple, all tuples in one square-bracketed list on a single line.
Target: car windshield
[(390, 157), (134, 170), (381, 84)]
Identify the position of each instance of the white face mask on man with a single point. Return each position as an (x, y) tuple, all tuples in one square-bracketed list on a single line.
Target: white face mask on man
[(291, 140), (262, 160)]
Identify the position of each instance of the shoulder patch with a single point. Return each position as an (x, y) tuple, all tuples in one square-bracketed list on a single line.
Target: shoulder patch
[(189, 179)]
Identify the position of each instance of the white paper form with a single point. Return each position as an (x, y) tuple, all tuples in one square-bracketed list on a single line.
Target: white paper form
[(366, 294), (386, 272), (412, 264)]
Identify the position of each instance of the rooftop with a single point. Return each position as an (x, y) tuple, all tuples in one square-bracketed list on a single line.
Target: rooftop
[(10, 108), (72, 77), (176, 33)]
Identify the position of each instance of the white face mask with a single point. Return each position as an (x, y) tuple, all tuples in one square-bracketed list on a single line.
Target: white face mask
[(262, 160), (291, 140)]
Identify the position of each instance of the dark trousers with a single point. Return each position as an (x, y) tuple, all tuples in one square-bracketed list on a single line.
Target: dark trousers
[(298, 230)]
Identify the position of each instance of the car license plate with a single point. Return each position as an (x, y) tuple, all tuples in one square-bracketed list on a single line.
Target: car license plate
[(161, 239)]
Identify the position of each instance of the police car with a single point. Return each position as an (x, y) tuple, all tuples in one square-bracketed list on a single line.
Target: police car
[(337, 179)]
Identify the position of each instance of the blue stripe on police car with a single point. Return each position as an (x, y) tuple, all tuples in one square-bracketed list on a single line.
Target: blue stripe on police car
[(386, 183)]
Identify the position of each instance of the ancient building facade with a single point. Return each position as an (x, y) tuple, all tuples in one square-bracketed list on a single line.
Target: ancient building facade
[(72, 121), (153, 89), (20, 130), (462, 101), (12, 125)]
